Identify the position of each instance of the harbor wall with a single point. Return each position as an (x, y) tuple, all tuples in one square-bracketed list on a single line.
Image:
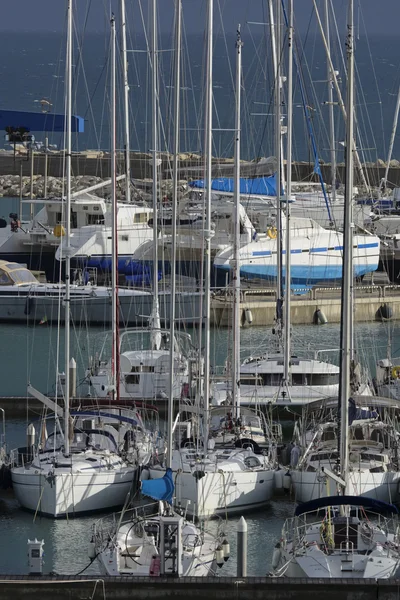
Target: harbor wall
[(369, 300), (190, 166), (124, 588)]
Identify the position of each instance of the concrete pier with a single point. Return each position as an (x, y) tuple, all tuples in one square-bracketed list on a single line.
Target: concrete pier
[(369, 300), (198, 588)]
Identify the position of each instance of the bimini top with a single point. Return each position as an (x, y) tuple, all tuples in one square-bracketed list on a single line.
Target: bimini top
[(376, 505)]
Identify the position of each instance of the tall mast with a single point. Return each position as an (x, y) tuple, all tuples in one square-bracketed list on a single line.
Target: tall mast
[(126, 103), (332, 149), (114, 216), (286, 361), (275, 58), (155, 317), (178, 24), (236, 244), (347, 280), (279, 286), (207, 231), (68, 229), (341, 104)]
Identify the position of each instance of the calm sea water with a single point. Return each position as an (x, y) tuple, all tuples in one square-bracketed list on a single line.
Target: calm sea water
[(32, 68), (28, 354)]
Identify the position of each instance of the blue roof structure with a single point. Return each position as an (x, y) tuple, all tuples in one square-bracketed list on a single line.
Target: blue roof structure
[(260, 186), (37, 121)]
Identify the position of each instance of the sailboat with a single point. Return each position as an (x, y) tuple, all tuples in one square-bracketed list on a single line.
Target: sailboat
[(79, 468), (144, 372), (147, 543), (226, 480), (344, 542)]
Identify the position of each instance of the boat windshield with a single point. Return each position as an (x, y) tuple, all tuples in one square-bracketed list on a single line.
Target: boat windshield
[(17, 274)]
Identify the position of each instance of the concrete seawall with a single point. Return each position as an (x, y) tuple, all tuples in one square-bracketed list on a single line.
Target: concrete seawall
[(262, 303), (126, 588)]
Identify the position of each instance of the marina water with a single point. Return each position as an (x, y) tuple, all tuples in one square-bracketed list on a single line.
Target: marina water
[(29, 354)]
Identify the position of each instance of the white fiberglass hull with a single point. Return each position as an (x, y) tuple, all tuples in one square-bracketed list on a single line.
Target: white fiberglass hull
[(221, 492), (92, 305), (316, 563), (66, 494), (312, 485)]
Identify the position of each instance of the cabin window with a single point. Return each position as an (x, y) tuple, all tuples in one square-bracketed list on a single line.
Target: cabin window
[(132, 379), (95, 219), (74, 219), (322, 378), (373, 457), (251, 462), (4, 278), (140, 218), (143, 369), (251, 380)]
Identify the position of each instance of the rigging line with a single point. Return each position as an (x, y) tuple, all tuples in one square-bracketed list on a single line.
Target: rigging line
[(309, 121), (373, 70)]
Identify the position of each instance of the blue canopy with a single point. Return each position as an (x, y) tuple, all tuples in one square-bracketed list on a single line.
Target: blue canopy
[(260, 186), (358, 414), (159, 489), (376, 505)]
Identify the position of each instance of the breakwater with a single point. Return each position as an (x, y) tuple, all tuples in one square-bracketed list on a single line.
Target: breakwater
[(191, 166)]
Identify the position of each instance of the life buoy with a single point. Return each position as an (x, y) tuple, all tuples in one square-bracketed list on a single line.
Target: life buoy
[(396, 372), (272, 233), (59, 230)]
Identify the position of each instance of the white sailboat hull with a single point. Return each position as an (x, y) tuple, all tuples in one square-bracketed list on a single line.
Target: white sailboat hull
[(221, 493), (70, 494), (312, 485), (340, 566)]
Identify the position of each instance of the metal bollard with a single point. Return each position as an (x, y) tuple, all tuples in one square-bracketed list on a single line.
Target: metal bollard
[(242, 548)]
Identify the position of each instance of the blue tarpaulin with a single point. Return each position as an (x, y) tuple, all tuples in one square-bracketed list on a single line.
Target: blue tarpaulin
[(260, 186), (356, 414), (159, 489)]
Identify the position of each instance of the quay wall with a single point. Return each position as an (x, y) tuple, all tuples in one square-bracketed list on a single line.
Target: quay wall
[(190, 167), (368, 302), (126, 588)]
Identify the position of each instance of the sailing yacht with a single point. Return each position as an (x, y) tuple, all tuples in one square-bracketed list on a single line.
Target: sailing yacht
[(374, 459), (80, 468), (211, 482), (144, 366), (344, 541), (316, 254), (143, 542)]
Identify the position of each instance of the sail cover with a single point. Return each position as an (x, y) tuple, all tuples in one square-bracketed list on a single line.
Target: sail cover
[(260, 186), (159, 489)]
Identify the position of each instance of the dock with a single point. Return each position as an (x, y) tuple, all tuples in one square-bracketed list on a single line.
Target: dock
[(197, 588), (258, 306)]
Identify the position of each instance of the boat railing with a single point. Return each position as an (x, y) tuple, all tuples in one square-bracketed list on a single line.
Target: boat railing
[(106, 529), (296, 530)]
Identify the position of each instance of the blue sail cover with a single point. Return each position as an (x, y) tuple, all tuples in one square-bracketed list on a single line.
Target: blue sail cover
[(260, 186), (356, 413), (159, 489)]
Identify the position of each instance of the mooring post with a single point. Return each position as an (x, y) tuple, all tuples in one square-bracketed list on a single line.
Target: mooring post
[(242, 548)]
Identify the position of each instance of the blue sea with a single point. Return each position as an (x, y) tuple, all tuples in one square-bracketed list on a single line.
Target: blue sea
[(32, 68)]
